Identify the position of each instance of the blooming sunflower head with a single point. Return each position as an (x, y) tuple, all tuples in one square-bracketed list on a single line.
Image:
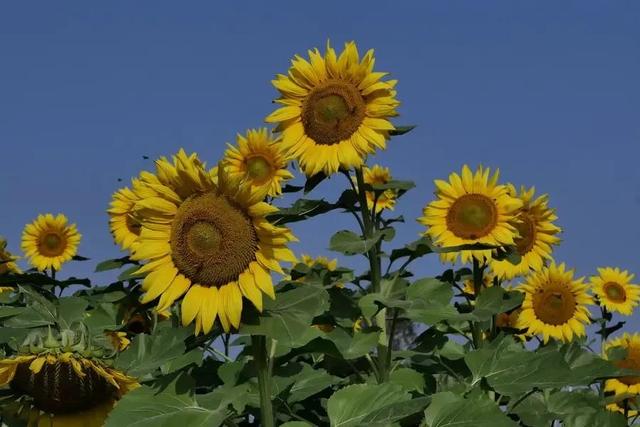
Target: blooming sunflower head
[(628, 384), (209, 241), (49, 241), (386, 199), (468, 285), (537, 233), (471, 208), (7, 261), (334, 109), (614, 290), (62, 384), (555, 305), (125, 228), (258, 160)]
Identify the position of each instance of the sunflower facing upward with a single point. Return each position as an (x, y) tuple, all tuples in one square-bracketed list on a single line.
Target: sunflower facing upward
[(335, 109), (207, 241), (555, 305), (536, 234), (471, 208), (258, 160), (615, 291), (49, 242)]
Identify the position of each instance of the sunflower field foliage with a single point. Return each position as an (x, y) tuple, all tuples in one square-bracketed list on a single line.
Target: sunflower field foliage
[(213, 320)]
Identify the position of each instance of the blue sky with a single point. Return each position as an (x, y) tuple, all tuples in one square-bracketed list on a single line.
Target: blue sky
[(546, 91)]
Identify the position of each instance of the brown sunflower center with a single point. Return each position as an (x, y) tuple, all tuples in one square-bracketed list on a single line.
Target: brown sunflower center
[(555, 304), (527, 231), (631, 361), (58, 389), (615, 292), (472, 216), (51, 244), (212, 240), (259, 169), (333, 112)]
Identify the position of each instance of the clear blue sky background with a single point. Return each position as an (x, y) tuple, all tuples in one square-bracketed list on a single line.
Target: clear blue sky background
[(547, 91)]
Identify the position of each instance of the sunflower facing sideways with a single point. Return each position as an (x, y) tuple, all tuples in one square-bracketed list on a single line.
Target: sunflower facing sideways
[(386, 199), (258, 160), (49, 241), (471, 208), (7, 261), (555, 305), (208, 241), (61, 386), (615, 291), (334, 109), (536, 235), (629, 385)]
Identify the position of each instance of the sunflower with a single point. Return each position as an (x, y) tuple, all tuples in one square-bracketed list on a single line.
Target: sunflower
[(49, 242), (471, 208), (335, 109), (614, 290), (616, 407), (322, 261), (536, 234), (7, 261), (386, 199), (62, 389), (629, 385), (554, 304), (258, 160), (125, 228), (469, 287), (118, 340), (209, 242)]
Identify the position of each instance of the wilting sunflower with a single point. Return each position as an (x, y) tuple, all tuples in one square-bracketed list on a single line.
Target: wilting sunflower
[(386, 199), (210, 242), (536, 234), (49, 242), (615, 291), (471, 208), (62, 389), (629, 384), (555, 305), (335, 109), (258, 160)]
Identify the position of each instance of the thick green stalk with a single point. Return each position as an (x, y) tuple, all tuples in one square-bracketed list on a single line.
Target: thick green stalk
[(374, 268), (260, 357), (476, 331)]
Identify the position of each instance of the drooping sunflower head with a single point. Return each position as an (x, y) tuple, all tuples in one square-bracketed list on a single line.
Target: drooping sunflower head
[(258, 160), (537, 233), (209, 241), (61, 384), (614, 290), (386, 199), (555, 304), (628, 384), (7, 261), (49, 241), (471, 208), (334, 109)]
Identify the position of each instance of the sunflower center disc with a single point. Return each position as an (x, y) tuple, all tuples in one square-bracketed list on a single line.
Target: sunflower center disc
[(615, 292), (472, 216), (52, 244), (58, 389), (527, 231), (259, 169), (333, 112), (631, 361), (212, 240), (554, 306)]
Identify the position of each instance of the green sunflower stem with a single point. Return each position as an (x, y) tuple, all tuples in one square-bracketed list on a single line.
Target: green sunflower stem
[(261, 359), (384, 356), (476, 332)]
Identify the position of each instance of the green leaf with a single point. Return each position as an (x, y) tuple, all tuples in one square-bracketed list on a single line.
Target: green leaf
[(302, 209), (351, 405), (145, 407), (8, 311), (353, 347), (394, 185), (401, 130), (495, 300), (313, 181), (448, 409), (349, 243), (112, 264), (308, 382), (533, 411), (288, 318), (425, 245), (428, 301), (296, 424), (409, 379), (71, 310)]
